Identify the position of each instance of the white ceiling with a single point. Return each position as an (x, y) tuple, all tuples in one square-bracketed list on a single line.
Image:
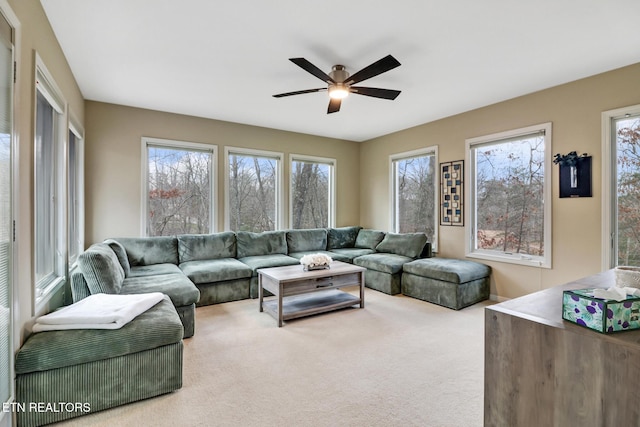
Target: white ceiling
[(224, 59)]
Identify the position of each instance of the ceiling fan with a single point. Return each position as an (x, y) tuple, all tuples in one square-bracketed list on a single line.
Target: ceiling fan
[(340, 83)]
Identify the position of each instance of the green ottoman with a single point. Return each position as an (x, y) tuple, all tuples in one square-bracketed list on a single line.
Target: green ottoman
[(453, 283), (68, 373)]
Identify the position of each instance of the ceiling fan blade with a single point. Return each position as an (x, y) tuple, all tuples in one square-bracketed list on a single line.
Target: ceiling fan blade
[(381, 66), (310, 68), (334, 105), (375, 92), (300, 92)]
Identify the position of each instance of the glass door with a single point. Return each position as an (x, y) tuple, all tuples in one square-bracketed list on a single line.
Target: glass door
[(6, 222)]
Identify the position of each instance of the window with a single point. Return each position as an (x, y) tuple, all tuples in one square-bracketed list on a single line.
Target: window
[(6, 214), (75, 184), (510, 198), (178, 187), (253, 183), (312, 202), (621, 187), (414, 196), (50, 195)]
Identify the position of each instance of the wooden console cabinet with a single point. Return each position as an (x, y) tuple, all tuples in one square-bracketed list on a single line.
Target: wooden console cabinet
[(543, 371)]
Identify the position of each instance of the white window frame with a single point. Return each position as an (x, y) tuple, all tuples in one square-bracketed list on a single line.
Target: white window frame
[(171, 143), (228, 150), (609, 183), (332, 163), (46, 86), (471, 202), (7, 418), (393, 214), (76, 128)]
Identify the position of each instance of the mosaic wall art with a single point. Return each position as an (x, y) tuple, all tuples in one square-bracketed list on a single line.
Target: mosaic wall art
[(452, 193)]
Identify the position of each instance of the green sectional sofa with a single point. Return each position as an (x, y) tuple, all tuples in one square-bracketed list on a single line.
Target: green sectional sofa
[(193, 270), (202, 269)]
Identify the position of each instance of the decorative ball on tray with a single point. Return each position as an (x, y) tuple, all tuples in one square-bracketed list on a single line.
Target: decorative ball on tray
[(315, 262)]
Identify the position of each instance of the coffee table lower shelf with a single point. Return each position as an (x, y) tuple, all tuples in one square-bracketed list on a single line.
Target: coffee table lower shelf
[(310, 304)]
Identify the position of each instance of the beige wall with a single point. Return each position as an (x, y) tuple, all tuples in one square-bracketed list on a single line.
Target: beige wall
[(34, 34), (575, 112), (113, 162)]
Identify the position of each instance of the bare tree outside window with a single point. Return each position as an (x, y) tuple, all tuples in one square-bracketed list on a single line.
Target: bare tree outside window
[(252, 192), (179, 198), (628, 194), (310, 191), (509, 196), (415, 195)]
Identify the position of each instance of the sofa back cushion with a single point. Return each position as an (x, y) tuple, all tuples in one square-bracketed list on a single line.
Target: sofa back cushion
[(369, 239), (121, 253), (79, 288), (405, 244), (312, 239), (343, 237), (150, 250), (200, 247), (101, 269), (265, 243)]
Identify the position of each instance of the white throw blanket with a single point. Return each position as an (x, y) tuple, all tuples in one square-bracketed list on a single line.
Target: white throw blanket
[(98, 311)]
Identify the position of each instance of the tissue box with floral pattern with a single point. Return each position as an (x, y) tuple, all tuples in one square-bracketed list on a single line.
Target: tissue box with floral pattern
[(602, 315)]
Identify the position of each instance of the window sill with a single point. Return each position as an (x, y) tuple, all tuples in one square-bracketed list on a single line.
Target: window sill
[(42, 300), (526, 260)]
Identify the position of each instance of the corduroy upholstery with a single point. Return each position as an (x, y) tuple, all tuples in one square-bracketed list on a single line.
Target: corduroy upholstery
[(100, 369), (452, 283), (369, 239), (406, 244), (342, 237), (101, 269), (199, 247), (258, 244), (312, 239)]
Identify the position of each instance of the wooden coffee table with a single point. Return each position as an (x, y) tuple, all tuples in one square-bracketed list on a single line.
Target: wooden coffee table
[(304, 293)]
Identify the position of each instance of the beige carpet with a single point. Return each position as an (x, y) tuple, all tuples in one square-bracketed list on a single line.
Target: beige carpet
[(397, 362)]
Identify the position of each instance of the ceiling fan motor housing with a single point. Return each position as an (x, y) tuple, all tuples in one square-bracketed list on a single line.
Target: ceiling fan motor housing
[(338, 73)]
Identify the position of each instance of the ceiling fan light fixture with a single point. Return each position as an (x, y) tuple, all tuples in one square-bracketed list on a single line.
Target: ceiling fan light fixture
[(340, 83), (338, 91)]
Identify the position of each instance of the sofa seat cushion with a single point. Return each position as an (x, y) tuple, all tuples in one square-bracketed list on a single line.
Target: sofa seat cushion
[(158, 326), (265, 243), (448, 270), (150, 250), (154, 269), (406, 244), (299, 255), (198, 247), (342, 237), (267, 261), (348, 254), (386, 263), (313, 239), (101, 269), (369, 239), (215, 270), (177, 286)]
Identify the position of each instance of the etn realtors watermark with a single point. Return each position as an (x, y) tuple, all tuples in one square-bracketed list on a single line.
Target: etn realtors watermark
[(54, 407)]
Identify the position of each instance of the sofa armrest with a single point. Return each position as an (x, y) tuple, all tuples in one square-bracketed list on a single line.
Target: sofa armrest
[(79, 287)]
